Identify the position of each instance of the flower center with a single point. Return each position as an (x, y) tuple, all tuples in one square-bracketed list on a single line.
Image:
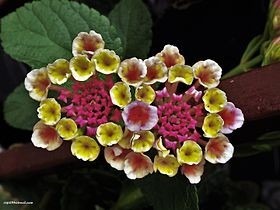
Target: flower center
[(169, 60), (90, 104), (133, 74), (217, 147), (152, 73), (139, 114), (178, 120), (42, 83), (48, 134), (107, 60), (89, 44)]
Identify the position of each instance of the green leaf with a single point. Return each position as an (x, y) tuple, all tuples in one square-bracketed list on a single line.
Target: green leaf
[(20, 109), (165, 193), (264, 143), (131, 198), (133, 21), (42, 31), (252, 48), (246, 150), (274, 135)]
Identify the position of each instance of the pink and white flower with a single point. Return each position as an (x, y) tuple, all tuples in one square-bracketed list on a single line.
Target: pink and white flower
[(132, 71), (87, 43), (156, 70), (45, 136), (37, 83), (139, 116), (218, 150), (115, 156), (233, 118), (193, 172), (137, 165), (171, 56), (208, 73)]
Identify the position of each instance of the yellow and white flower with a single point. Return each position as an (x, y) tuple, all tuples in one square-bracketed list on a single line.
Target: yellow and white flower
[(81, 67), (120, 94), (145, 93), (214, 100), (67, 128), (59, 71), (49, 111), (166, 165), (180, 73), (85, 148), (162, 150), (106, 61), (142, 141), (212, 125), (126, 139), (189, 153), (109, 133)]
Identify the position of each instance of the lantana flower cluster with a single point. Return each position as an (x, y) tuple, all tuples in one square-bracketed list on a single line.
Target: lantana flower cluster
[(144, 116)]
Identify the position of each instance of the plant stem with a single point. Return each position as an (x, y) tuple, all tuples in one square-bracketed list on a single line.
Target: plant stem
[(253, 47), (243, 67)]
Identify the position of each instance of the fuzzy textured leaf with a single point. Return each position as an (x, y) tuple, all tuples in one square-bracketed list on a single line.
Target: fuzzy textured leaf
[(42, 31), (133, 21), (20, 109), (165, 193)]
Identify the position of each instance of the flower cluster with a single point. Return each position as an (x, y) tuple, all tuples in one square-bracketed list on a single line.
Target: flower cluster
[(157, 114)]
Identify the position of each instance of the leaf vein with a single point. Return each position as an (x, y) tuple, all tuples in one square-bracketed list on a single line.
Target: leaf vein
[(47, 34)]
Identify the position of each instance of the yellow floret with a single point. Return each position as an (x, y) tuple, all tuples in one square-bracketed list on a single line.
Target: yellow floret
[(106, 61), (145, 93), (212, 124), (142, 141), (85, 148), (59, 71), (181, 73), (109, 133), (49, 111), (81, 67), (190, 153), (214, 100), (120, 94), (67, 128), (166, 165)]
